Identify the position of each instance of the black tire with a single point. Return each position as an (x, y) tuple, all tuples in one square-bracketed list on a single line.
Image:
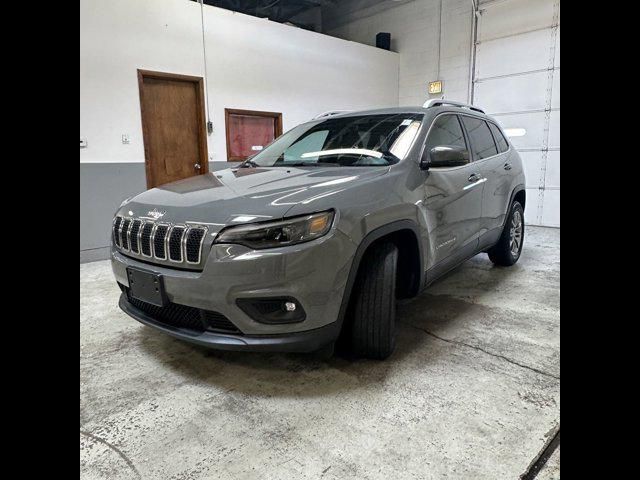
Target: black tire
[(325, 353), (374, 304), (501, 253)]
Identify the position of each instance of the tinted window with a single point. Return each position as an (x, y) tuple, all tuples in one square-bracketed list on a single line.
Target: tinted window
[(446, 130), (355, 141), (311, 143), (503, 146), (482, 143)]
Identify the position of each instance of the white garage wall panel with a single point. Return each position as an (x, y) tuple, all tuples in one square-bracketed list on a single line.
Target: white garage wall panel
[(517, 79), (556, 62), (514, 17), (533, 205), (532, 161), (550, 212), (512, 93), (554, 129), (503, 56), (552, 172), (533, 123), (555, 93)]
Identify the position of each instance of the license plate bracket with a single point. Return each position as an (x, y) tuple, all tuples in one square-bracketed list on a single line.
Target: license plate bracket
[(146, 286)]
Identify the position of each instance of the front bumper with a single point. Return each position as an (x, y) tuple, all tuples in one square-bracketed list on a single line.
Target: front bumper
[(313, 273), (301, 342)]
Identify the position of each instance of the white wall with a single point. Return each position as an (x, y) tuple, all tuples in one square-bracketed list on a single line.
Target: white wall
[(414, 28), (252, 64), (517, 80)]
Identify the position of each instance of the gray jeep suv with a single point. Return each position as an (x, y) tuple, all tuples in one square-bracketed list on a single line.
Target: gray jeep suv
[(314, 238)]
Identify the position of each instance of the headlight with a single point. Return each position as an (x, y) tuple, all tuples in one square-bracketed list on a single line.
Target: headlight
[(125, 201), (279, 233)]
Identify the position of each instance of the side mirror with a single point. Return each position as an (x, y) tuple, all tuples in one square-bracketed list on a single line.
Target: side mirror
[(444, 156)]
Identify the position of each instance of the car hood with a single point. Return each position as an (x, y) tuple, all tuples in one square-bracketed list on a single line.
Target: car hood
[(243, 195)]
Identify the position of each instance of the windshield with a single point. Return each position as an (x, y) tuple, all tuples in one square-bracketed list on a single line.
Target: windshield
[(357, 141)]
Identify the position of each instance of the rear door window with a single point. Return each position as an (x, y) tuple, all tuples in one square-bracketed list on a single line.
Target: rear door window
[(502, 143), (482, 144)]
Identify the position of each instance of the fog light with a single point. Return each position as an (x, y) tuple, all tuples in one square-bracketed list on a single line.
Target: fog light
[(274, 310)]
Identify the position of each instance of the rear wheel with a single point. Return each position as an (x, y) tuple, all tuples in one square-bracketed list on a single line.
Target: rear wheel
[(374, 304), (508, 249)]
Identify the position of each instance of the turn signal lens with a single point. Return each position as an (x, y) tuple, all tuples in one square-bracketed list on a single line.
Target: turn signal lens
[(318, 224)]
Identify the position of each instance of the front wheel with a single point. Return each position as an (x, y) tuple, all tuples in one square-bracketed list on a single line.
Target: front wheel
[(373, 332), (508, 249), (325, 353)]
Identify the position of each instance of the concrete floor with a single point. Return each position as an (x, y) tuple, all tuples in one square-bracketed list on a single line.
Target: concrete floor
[(472, 391), (551, 470)]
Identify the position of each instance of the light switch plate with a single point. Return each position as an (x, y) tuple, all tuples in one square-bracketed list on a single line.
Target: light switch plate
[(125, 139)]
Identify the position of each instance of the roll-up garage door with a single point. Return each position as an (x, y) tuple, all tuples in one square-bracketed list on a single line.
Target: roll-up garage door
[(517, 81)]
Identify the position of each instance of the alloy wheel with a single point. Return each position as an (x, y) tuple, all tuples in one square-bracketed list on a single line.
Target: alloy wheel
[(515, 235)]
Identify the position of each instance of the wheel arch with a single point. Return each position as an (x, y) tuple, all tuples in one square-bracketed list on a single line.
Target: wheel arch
[(518, 193), (406, 235)]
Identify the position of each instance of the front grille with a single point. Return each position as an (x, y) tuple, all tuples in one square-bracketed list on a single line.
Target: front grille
[(174, 315), (135, 229), (124, 233), (182, 316), (218, 323), (145, 239), (116, 230), (180, 244), (175, 244), (158, 242), (193, 244)]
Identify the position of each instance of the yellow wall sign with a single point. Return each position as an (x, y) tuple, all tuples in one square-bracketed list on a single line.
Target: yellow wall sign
[(435, 87)]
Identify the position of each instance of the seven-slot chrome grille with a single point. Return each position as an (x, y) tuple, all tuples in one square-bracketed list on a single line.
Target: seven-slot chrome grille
[(171, 244)]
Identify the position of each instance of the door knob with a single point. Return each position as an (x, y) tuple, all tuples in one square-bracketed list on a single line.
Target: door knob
[(474, 177), (507, 166), (197, 165)]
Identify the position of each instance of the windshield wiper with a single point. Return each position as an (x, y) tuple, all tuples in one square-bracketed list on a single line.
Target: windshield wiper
[(310, 164)]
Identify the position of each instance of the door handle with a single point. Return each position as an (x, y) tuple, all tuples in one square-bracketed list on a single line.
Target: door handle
[(197, 166), (507, 166), (475, 179)]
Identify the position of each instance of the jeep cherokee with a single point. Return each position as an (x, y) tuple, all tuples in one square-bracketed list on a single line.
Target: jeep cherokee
[(314, 238)]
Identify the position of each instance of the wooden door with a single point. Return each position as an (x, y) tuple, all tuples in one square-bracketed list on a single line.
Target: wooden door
[(173, 126), (249, 131)]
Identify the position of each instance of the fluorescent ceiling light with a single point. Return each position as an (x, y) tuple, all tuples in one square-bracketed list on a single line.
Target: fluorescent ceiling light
[(515, 132)]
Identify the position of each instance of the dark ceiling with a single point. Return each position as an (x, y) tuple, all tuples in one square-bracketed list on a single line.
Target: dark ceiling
[(276, 10)]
